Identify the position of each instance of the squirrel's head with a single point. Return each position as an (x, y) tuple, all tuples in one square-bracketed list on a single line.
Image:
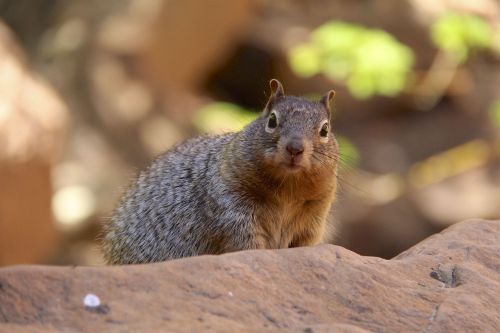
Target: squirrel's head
[(297, 133)]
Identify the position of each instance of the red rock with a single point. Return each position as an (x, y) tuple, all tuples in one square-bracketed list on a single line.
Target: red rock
[(32, 125), (447, 283)]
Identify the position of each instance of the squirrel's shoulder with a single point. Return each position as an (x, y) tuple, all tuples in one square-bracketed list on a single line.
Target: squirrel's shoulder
[(198, 145), (204, 141), (187, 160)]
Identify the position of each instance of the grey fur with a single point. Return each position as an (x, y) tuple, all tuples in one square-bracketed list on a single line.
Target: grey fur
[(218, 194)]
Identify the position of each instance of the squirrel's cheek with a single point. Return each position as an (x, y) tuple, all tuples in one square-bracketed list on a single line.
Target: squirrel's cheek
[(306, 161), (270, 157)]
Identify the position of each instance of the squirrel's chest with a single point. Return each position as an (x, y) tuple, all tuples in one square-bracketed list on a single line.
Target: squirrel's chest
[(279, 224)]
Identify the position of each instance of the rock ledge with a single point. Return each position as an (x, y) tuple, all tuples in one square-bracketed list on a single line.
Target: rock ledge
[(450, 282)]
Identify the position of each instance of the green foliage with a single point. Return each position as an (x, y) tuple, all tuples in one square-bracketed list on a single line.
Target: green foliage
[(458, 34), (495, 114), (369, 61), (222, 117)]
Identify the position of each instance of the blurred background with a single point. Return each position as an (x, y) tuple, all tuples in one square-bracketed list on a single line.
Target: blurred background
[(91, 91)]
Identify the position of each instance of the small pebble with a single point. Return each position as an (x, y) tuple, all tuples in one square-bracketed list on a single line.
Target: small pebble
[(91, 301), (230, 294)]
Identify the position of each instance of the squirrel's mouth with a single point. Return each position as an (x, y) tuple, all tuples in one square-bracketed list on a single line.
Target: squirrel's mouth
[(292, 164), (294, 168)]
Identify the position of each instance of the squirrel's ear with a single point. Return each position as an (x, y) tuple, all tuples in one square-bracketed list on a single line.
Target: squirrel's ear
[(327, 100), (276, 92), (276, 88)]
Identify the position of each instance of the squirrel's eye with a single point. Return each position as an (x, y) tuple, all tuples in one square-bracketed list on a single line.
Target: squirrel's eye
[(272, 122), (324, 130)]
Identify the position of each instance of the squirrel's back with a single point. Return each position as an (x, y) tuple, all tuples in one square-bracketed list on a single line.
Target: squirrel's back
[(174, 188), (268, 186)]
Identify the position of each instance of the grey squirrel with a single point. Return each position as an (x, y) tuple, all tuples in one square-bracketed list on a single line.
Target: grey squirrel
[(269, 186)]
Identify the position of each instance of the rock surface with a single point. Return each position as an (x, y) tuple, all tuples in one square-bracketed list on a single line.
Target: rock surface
[(448, 283)]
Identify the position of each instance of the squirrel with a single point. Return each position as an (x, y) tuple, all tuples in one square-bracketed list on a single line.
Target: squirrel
[(269, 186)]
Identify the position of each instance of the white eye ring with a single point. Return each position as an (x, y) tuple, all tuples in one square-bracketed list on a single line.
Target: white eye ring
[(272, 122), (324, 139)]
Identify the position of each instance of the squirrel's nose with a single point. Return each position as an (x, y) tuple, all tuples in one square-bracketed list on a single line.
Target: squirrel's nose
[(295, 147)]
